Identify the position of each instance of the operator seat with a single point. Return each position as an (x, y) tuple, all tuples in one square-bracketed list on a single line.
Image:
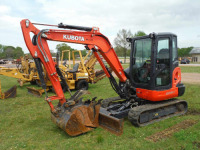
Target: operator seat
[(75, 68), (164, 76), (163, 56)]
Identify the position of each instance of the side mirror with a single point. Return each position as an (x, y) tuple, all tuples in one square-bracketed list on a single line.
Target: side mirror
[(129, 40), (152, 35)]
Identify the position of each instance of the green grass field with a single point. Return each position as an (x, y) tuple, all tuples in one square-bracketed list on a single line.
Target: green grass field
[(190, 69), (25, 124)]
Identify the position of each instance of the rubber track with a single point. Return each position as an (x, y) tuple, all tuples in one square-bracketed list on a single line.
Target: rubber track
[(135, 112)]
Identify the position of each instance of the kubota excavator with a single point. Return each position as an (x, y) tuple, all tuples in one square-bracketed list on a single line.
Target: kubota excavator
[(147, 89)]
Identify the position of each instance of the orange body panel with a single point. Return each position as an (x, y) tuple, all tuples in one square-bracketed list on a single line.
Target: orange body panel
[(155, 95)]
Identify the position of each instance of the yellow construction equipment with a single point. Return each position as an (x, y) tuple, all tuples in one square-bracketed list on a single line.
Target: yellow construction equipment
[(86, 66), (77, 74), (11, 93), (25, 71)]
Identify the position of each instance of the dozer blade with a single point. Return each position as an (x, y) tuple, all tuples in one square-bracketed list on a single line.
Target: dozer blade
[(35, 92), (11, 93), (110, 123), (76, 117)]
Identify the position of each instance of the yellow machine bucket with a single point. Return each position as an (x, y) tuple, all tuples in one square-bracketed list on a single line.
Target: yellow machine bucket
[(11, 93), (85, 116), (35, 92), (100, 75)]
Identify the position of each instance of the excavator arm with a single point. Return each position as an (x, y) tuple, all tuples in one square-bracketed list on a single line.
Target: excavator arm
[(91, 37), (72, 115)]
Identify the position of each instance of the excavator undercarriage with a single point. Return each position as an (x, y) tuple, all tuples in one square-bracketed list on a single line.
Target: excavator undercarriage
[(142, 112)]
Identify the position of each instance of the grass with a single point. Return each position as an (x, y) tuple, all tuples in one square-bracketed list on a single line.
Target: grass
[(25, 124), (190, 69)]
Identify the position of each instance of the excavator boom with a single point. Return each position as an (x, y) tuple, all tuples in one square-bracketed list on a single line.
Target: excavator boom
[(72, 115)]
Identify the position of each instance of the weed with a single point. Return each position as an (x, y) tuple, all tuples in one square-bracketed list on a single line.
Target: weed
[(100, 139)]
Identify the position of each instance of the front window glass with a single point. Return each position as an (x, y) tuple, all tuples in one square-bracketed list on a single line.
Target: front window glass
[(174, 50), (163, 62), (142, 62)]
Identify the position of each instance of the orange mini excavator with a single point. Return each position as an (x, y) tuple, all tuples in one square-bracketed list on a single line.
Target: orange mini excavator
[(146, 89)]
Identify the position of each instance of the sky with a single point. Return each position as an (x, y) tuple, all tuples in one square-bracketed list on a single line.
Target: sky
[(181, 17)]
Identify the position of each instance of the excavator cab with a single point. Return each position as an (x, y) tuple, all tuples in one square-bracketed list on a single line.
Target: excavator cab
[(154, 70)]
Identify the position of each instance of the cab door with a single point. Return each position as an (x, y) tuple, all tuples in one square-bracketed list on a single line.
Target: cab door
[(166, 60), (141, 62), (163, 67)]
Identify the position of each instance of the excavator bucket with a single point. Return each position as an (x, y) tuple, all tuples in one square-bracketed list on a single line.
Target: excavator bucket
[(77, 120), (11, 93), (76, 117), (35, 92)]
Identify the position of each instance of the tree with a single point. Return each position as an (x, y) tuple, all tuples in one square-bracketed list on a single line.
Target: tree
[(1, 48), (119, 51), (183, 52), (122, 47), (84, 52), (10, 52), (63, 46), (18, 52), (139, 33), (120, 42)]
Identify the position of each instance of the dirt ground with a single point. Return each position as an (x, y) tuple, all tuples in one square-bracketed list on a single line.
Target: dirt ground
[(193, 78), (169, 131)]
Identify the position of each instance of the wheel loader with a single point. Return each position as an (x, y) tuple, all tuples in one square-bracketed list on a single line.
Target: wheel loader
[(147, 89)]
